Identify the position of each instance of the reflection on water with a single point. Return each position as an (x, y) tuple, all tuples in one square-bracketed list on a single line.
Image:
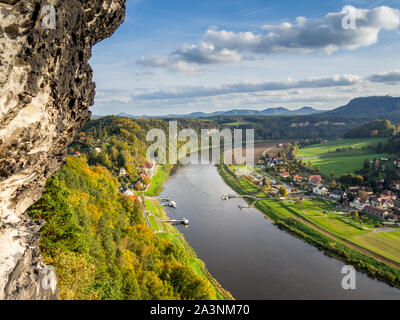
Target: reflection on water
[(248, 255)]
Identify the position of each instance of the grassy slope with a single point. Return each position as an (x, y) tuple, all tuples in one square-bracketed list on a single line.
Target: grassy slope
[(158, 180), (345, 162), (320, 213), (324, 155)]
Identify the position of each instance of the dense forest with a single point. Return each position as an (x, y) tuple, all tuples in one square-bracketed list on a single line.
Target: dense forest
[(317, 126), (97, 239), (374, 129), (99, 244), (393, 145), (115, 142)]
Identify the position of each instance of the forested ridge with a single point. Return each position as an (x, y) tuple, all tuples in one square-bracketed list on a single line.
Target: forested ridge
[(374, 129), (97, 239), (318, 126), (115, 142)]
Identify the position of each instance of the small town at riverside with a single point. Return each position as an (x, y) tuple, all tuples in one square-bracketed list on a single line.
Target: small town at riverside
[(355, 212)]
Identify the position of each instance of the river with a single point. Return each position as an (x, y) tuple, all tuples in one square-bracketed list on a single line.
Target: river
[(247, 254)]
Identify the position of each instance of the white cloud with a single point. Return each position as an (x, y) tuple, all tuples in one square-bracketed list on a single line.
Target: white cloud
[(295, 86), (171, 63), (304, 36), (112, 96), (250, 87)]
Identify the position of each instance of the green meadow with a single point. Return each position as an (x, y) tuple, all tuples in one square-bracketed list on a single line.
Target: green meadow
[(328, 158), (320, 213), (156, 186)]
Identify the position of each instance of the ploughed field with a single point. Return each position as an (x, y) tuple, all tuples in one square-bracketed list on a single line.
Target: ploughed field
[(260, 150), (337, 156)]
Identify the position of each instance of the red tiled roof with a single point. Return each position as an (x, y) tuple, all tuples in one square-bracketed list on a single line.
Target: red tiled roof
[(148, 165)]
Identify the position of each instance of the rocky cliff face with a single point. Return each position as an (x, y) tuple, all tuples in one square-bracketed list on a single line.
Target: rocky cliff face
[(46, 89)]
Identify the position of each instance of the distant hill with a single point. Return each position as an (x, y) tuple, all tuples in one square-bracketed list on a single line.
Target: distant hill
[(382, 106), (238, 112), (365, 108)]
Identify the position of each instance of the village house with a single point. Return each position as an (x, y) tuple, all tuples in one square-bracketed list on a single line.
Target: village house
[(368, 191), (149, 168), (285, 174), (315, 179), (274, 162), (77, 154), (297, 178), (122, 172), (320, 190), (337, 195), (396, 185), (353, 189), (380, 203), (381, 213), (388, 195), (126, 191), (360, 204), (392, 217)]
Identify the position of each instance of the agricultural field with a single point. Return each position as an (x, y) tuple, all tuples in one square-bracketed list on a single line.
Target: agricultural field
[(384, 243), (328, 157), (362, 232), (260, 149)]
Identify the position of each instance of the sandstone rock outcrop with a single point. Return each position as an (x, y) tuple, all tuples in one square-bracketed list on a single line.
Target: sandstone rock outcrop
[(46, 89)]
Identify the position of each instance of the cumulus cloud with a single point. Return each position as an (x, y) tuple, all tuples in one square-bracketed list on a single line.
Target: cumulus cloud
[(325, 34), (187, 58)]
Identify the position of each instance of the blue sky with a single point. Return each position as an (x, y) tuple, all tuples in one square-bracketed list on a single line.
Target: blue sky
[(185, 56)]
